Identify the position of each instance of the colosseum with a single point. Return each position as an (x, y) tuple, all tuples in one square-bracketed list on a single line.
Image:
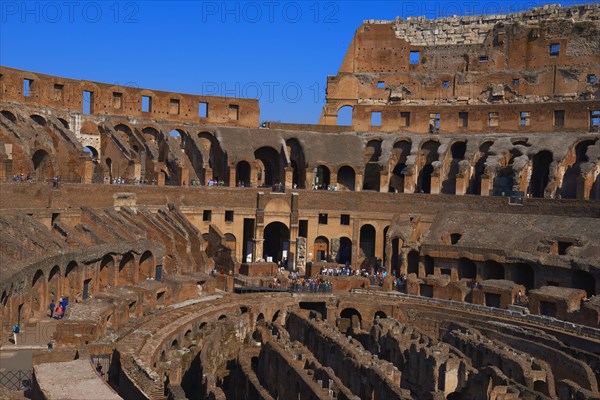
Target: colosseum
[(444, 245)]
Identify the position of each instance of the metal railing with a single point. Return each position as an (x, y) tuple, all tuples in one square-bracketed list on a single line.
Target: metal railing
[(16, 380)]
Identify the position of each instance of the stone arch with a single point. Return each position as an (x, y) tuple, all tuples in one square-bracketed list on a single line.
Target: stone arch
[(231, 241), (277, 236), (321, 248), (38, 119), (568, 189), (505, 176), (400, 152), (72, 281), (346, 178), (379, 314), (126, 270), (213, 155), (344, 254), (38, 293), (271, 163), (427, 156), (466, 268), (297, 162), (457, 152), (584, 280), (322, 176), (63, 122), (260, 317), (9, 115), (540, 173), (367, 243), (522, 274), (54, 287), (242, 173), (106, 271), (372, 174), (276, 316), (91, 151), (492, 270), (146, 265), (479, 168), (354, 317), (344, 115), (42, 165)]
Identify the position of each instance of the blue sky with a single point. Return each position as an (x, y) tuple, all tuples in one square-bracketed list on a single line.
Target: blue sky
[(278, 51)]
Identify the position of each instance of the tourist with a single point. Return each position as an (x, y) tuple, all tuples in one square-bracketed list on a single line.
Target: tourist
[(99, 370), (58, 312), (52, 306), (64, 302), (16, 330)]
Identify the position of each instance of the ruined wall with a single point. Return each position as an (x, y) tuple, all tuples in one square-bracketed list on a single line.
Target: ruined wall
[(479, 74)]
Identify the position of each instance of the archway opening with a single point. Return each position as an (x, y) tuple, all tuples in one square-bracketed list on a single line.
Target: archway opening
[(321, 248), (413, 262), (427, 156), (10, 116), (400, 152), (42, 165), (54, 282), (107, 265), (371, 180), (146, 265), (492, 270), (540, 173), (584, 280), (425, 179), (91, 152), (367, 243), (346, 178), (522, 274), (126, 270), (271, 163), (242, 174), (457, 151), (395, 259), (322, 177), (344, 255), (72, 279), (350, 318), (38, 293), (38, 119), (429, 264), (568, 188), (297, 162), (379, 315), (479, 170), (276, 244), (466, 269), (63, 122), (344, 116)]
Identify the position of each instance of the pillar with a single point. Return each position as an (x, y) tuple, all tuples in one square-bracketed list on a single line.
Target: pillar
[(232, 176), (310, 178), (487, 184), (208, 174), (384, 179), (436, 183), (358, 184), (289, 177), (462, 183)]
